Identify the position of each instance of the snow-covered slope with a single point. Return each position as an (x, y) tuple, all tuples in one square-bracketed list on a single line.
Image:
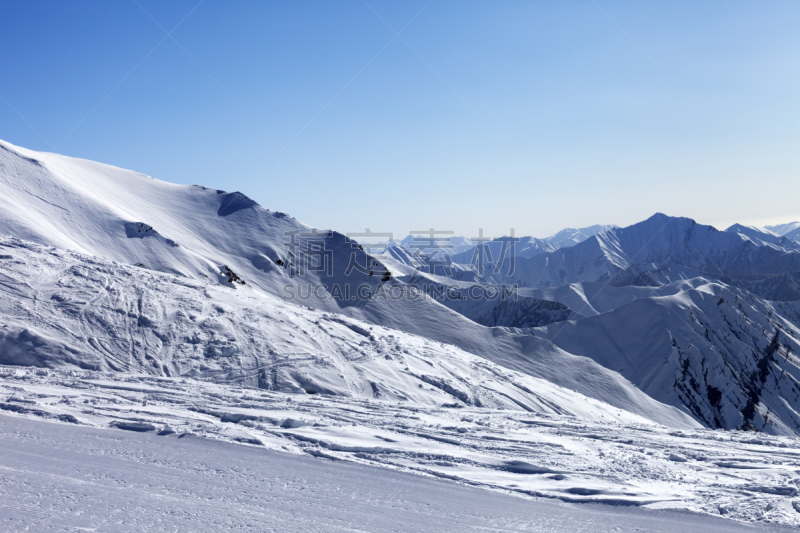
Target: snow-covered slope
[(794, 235), (790, 230), (131, 218), (63, 309), (513, 312), (782, 287), (344, 464), (728, 356), (423, 267), (778, 287), (99, 210), (590, 298), (763, 236)]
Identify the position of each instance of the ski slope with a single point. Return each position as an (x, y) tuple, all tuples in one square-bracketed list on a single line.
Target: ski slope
[(63, 309), (136, 451), (98, 210)]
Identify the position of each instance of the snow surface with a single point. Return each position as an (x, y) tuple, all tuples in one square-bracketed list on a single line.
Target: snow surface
[(64, 309), (729, 356), (193, 233), (147, 313), (118, 451)]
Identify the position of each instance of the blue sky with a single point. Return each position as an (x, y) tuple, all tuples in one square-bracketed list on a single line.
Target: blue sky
[(535, 116)]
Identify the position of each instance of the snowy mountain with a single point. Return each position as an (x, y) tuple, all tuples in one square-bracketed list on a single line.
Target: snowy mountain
[(493, 250), (521, 312), (452, 245), (94, 314), (572, 236), (224, 239), (169, 280), (461, 249), (790, 230), (659, 242), (680, 260), (531, 246), (782, 287), (728, 356), (763, 236)]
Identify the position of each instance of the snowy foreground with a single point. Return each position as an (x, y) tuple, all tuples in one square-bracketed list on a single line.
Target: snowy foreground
[(115, 481), (110, 451)]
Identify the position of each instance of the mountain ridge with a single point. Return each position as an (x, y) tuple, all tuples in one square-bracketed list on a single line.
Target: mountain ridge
[(218, 231), (225, 241)]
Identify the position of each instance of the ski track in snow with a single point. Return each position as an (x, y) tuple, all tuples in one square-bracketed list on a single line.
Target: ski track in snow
[(195, 233), (101, 480), (737, 475), (63, 309)]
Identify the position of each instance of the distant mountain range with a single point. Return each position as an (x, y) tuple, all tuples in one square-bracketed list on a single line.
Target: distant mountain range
[(656, 245), (461, 249), (790, 230)]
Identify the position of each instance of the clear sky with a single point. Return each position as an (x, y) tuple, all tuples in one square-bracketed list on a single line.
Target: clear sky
[(531, 115)]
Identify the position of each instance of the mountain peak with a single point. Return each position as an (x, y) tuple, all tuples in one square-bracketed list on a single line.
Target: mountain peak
[(233, 202), (745, 229), (663, 218)]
